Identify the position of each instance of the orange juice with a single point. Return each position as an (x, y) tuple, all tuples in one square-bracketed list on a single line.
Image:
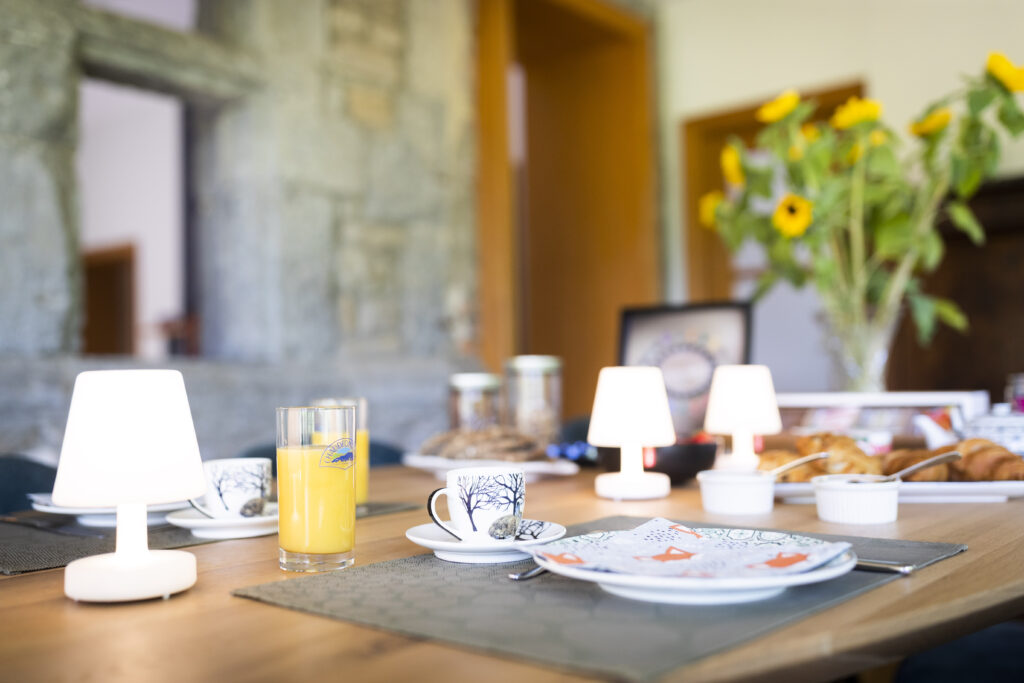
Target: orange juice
[(316, 501), (362, 465)]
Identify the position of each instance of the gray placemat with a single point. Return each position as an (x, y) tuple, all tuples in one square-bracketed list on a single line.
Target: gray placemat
[(55, 540), (28, 549), (565, 623)]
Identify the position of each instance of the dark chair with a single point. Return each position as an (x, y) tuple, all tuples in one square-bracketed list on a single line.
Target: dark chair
[(383, 454), (20, 476)]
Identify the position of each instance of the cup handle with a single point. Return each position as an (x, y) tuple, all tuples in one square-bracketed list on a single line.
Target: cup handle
[(432, 511)]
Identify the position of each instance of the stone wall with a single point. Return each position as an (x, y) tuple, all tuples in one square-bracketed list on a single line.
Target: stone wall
[(333, 186), (336, 202)]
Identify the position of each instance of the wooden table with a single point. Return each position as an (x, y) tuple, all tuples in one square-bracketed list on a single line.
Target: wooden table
[(205, 634)]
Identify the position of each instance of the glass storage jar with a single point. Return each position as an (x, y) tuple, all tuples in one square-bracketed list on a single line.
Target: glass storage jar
[(533, 396), (474, 400)]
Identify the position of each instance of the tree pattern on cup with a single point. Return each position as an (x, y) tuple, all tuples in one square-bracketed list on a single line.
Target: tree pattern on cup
[(225, 480), (492, 492)]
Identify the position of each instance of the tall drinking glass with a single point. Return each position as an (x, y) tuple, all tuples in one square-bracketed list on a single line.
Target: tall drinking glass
[(316, 489), (362, 442)]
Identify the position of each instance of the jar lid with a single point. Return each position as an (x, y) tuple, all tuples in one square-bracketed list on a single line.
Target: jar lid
[(474, 380), (538, 363)]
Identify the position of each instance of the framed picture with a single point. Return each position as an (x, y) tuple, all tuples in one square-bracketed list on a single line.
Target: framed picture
[(687, 343)]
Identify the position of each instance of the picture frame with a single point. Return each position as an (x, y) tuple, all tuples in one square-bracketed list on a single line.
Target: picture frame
[(687, 342)]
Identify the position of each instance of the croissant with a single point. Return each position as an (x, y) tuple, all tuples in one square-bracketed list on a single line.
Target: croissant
[(894, 461), (816, 443), (984, 460)]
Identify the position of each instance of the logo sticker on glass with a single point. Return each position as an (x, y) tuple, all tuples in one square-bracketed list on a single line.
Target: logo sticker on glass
[(339, 454)]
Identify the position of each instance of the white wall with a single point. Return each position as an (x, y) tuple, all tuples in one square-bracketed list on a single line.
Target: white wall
[(130, 182), (724, 54)]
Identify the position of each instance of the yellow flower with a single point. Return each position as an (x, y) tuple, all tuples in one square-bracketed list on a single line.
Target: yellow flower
[(855, 111), (810, 132), (796, 153), (708, 208), (877, 138), (778, 108), (933, 123), (1003, 70), (793, 215), (732, 169)]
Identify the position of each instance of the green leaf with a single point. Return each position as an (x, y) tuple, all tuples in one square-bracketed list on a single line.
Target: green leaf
[(951, 314), (967, 174), (1011, 116), (882, 162), (765, 281), (980, 98), (932, 249), (893, 237), (759, 181), (963, 218), (922, 310)]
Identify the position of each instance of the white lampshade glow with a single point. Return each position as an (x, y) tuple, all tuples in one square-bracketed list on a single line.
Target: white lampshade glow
[(631, 412), (742, 403), (129, 442)]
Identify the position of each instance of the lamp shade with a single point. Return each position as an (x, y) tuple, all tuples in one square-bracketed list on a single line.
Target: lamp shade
[(129, 439), (631, 409), (742, 399)]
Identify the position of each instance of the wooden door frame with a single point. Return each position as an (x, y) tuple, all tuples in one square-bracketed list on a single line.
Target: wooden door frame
[(499, 256), (709, 270)]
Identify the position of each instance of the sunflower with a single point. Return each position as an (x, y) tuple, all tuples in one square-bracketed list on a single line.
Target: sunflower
[(932, 123), (709, 207), (1004, 71), (793, 215), (779, 108), (810, 131), (732, 169), (795, 153), (877, 138), (855, 111)]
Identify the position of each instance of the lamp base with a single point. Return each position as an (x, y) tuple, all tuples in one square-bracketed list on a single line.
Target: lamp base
[(633, 486), (123, 577)]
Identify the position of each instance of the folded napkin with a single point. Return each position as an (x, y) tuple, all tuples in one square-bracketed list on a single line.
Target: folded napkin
[(663, 548)]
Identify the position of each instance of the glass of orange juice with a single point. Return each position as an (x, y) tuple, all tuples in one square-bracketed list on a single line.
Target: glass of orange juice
[(316, 487), (362, 442)]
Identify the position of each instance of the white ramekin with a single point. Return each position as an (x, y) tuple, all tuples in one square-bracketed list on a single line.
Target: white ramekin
[(736, 493), (842, 501)]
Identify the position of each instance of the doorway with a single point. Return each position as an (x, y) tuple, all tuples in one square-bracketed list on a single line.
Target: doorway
[(568, 234)]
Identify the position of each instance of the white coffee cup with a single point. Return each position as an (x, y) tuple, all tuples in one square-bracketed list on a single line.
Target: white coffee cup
[(485, 503), (235, 487)]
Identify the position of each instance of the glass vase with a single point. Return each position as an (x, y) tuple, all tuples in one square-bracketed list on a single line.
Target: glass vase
[(859, 351)]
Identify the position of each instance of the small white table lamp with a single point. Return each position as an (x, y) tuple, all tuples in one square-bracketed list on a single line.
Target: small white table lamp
[(631, 411), (742, 403), (129, 442)]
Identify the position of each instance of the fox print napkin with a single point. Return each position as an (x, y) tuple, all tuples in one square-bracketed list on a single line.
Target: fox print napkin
[(662, 548)]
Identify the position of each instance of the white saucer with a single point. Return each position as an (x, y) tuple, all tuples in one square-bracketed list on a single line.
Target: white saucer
[(241, 527), (447, 548), (100, 517)]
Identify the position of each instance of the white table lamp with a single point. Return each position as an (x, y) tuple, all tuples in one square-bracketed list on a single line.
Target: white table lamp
[(631, 411), (129, 442), (742, 403)]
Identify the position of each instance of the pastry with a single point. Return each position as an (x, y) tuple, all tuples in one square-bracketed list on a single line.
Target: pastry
[(894, 461), (493, 443), (984, 460)]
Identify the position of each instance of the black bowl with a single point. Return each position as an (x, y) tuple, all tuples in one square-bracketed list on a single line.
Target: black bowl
[(681, 462)]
